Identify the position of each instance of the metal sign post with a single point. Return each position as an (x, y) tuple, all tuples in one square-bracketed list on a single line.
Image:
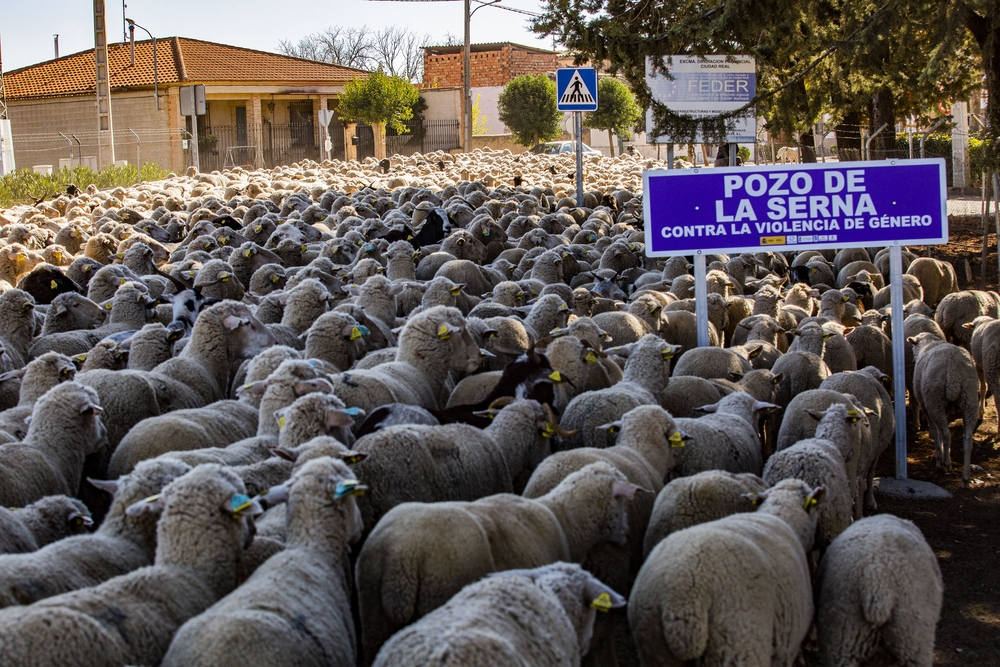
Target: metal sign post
[(576, 91), (801, 207)]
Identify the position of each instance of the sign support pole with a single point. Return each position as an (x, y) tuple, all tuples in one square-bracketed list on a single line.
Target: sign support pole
[(734, 151), (578, 131), (898, 352), (670, 156), (195, 160), (700, 298)]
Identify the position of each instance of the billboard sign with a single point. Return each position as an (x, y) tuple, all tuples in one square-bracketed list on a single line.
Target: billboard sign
[(705, 86), (795, 207)]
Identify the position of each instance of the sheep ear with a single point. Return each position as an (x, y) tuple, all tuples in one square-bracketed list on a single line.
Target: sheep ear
[(285, 453), (626, 490), (255, 388), (778, 377), (762, 405), (911, 340), (756, 498), (445, 330), (353, 290), (232, 322), (612, 427), (847, 330), (814, 497), (152, 504), (735, 376), (90, 410), (322, 385), (241, 505), (282, 298), (273, 496), (815, 414), (335, 417), (109, 486), (59, 309), (10, 375), (351, 457), (599, 596), (708, 408)]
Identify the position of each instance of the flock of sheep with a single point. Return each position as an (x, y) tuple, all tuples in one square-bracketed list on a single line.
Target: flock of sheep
[(439, 411)]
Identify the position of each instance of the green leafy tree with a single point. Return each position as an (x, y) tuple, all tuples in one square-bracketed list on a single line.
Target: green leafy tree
[(379, 100), (528, 107), (865, 62), (617, 111)]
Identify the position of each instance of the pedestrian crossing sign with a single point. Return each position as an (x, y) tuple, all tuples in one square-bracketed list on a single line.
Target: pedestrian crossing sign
[(576, 89)]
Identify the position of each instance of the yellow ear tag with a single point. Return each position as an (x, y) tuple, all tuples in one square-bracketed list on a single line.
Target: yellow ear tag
[(555, 376), (54, 285), (810, 503), (107, 306), (443, 332), (754, 500), (667, 354), (223, 240), (591, 357), (120, 255), (548, 431), (20, 256), (224, 276), (81, 357), (303, 248), (355, 333), (455, 291), (247, 253), (275, 278), (122, 281), (86, 267), (601, 603), (281, 423), (676, 439)]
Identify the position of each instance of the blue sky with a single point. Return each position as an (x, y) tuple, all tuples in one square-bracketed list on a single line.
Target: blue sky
[(27, 26)]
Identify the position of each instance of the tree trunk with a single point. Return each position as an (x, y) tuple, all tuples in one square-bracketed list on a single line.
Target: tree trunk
[(536, 137), (611, 143), (378, 129), (808, 142), (882, 110), (849, 137), (991, 63)]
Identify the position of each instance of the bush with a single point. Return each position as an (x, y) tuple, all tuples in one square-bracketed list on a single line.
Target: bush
[(24, 186), (939, 145)]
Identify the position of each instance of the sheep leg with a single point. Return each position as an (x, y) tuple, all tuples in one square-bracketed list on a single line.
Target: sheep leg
[(970, 430), (870, 503)]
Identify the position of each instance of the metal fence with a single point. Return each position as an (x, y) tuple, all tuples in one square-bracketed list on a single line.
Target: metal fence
[(421, 136), (65, 149)]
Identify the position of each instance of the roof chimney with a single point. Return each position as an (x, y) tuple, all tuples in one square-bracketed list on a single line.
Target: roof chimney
[(55, 44)]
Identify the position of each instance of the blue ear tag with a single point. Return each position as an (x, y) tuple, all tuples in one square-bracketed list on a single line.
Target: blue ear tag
[(238, 503), (348, 487), (353, 412), (364, 330)]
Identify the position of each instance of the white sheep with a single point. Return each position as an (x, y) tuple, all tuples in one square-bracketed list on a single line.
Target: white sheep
[(878, 589), (726, 439), (731, 591), (201, 533), (541, 617), (689, 501), (822, 460), (66, 428), (417, 463), (295, 609), (121, 543), (419, 555), (945, 380), (645, 376), (43, 522)]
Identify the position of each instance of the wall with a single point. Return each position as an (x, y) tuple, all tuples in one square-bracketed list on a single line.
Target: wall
[(36, 125), (488, 97), (488, 68), (443, 103)]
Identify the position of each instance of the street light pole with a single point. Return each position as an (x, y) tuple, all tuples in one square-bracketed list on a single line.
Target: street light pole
[(156, 79), (467, 85)]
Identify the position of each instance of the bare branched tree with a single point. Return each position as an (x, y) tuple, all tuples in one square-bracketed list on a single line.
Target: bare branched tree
[(395, 49)]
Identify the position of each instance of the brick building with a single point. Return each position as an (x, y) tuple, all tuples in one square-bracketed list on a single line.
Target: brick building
[(491, 64), (262, 108), (492, 67)]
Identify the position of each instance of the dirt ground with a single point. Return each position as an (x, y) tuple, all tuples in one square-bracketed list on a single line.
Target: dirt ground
[(964, 531)]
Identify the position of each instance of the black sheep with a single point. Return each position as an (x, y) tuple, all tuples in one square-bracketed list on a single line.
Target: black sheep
[(46, 282), (436, 227)]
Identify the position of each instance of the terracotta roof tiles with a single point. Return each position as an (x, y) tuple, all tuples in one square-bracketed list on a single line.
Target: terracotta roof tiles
[(179, 60)]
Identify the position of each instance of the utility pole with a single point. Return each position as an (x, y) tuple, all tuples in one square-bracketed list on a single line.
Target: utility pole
[(3, 91), (105, 128)]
